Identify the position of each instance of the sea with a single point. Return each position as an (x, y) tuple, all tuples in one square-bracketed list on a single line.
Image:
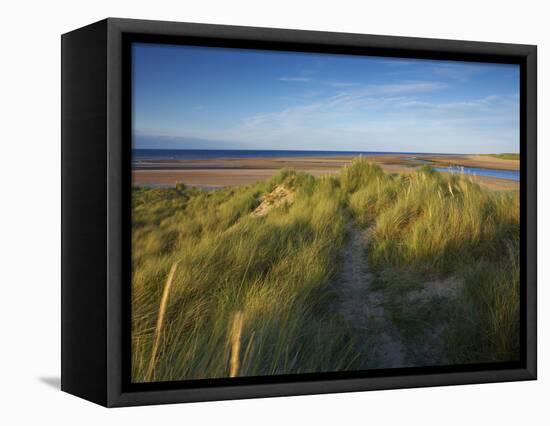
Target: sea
[(211, 154)]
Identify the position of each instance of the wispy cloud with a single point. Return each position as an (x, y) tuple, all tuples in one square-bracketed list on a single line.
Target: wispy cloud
[(294, 79), (399, 115), (485, 103), (384, 90), (331, 83), (344, 101)]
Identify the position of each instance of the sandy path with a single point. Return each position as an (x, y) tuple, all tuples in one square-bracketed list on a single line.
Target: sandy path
[(367, 311), (362, 307)]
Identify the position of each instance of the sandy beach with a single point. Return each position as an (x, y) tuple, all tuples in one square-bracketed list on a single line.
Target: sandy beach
[(230, 172)]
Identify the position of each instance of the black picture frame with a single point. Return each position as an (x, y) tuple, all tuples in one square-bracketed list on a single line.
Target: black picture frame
[(96, 210)]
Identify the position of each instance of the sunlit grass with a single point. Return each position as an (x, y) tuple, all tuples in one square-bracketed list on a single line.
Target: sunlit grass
[(275, 272)]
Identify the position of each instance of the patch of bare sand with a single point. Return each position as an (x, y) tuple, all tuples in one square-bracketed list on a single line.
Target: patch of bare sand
[(279, 196), (430, 349), (493, 162), (473, 160), (447, 288)]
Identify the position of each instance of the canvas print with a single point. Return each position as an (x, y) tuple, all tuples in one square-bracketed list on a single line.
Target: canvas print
[(307, 213)]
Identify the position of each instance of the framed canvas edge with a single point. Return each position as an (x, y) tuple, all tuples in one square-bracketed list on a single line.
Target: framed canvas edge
[(298, 388), (116, 396)]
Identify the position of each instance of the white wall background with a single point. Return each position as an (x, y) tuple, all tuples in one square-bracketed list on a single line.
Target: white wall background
[(30, 211)]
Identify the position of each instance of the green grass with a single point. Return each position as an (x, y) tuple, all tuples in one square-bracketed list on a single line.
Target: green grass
[(429, 226), (276, 271), (505, 156)]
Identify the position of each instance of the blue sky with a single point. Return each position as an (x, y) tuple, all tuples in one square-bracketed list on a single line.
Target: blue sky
[(187, 97)]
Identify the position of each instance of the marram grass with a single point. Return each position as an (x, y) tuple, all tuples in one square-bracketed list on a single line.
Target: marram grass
[(254, 295)]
